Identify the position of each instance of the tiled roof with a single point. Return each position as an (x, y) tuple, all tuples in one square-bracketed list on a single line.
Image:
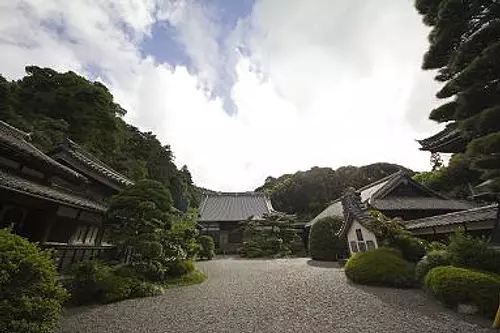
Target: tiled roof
[(24, 186), (377, 195), (419, 203), (354, 210), (70, 149), (220, 207), (479, 214), (449, 140), (16, 145)]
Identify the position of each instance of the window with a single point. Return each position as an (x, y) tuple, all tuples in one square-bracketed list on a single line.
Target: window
[(371, 245), (359, 234), (354, 246), (362, 246)]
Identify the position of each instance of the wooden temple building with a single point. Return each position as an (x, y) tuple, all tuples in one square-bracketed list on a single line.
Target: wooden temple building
[(483, 220), (396, 195), (56, 200), (221, 213)]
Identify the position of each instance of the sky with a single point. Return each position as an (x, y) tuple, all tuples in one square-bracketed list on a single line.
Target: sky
[(246, 89)]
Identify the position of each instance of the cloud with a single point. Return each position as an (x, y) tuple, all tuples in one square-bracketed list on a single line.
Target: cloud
[(316, 83)]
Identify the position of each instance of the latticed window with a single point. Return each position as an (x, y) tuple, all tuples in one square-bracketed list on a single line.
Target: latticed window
[(354, 246), (359, 235)]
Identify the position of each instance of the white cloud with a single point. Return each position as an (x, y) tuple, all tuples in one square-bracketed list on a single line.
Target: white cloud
[(323, 82)]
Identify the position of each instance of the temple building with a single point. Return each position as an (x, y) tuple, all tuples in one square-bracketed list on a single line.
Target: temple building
[(221, 213), (396, 195), (58, 201)]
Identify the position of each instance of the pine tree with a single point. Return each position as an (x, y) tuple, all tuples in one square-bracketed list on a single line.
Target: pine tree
[(465, 48)]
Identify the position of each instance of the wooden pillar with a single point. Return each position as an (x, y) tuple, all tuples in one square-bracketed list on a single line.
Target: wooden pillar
[(495, 233), (49, 224)]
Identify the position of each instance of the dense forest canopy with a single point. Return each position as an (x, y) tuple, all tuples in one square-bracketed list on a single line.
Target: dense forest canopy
[(465, 49), (307, 193), (53, 106)]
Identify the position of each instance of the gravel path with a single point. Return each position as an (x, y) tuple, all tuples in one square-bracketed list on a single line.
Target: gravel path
[(295, 295)]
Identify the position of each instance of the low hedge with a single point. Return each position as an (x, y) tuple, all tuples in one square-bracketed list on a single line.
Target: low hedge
[(454, 285), (95, 282), (30, 296), (431, 260), (473, 252), (178, 268), (411, 247), (380, 267)]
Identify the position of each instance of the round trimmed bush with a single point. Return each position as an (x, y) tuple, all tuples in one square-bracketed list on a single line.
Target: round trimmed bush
[(380, 267), (431, 260), (324, 244), (454, 285), (207, 247), (30, 297)]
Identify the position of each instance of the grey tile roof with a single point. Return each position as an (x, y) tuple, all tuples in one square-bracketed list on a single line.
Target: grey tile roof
[(15, 144), (220, 207), (419, 203), (377, 195), (446, 141), (68, 149), (15, 183), (478, 214)]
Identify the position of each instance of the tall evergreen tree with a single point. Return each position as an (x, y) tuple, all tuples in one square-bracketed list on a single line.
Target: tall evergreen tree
[(465, 48)]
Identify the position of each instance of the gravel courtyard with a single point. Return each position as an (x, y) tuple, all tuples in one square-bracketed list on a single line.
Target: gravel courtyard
[(286, 295)]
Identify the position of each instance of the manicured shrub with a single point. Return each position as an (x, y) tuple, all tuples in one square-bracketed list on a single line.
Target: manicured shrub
[(145, 289), (324, 244), (412, 248), (454, 285), (151, 270), (207, 247), (431, 260), (380, 267), (180, 267), (435, 246), (473, 252), (30, 297), (95, 282)]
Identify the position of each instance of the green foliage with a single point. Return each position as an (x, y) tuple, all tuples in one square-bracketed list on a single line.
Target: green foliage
[(452, 180), (431, 260), (272, 237), (54, 106), (30, 297), (207, 247), (95, 282), (472, 252), (435, 246), (307, 193), (324, 241), (412, 248), (143, 208), (453, 286), (380, 267), (465, 47), (178, 268), (195, 277)]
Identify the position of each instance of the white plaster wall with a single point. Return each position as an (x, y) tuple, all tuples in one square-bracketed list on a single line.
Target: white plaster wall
[(367, 235)]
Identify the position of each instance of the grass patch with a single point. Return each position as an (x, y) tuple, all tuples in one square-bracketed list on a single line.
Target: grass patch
[(195, 277)]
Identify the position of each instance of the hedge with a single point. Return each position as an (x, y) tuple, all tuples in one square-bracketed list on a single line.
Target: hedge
[(472, 252), (380, 267), (30, 297), (431, 260), (454, 285), (323, 242)]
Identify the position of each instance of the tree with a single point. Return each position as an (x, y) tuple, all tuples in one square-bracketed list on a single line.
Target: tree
[(307, 193), (436, 161), (465, 48), (141, 209), (54, 106)]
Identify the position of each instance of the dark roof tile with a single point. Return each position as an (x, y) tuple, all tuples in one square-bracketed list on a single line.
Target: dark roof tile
[(220, 207), (14, 183)]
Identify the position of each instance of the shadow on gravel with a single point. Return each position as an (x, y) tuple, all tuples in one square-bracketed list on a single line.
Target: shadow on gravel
[(417, 300), (323, 264)]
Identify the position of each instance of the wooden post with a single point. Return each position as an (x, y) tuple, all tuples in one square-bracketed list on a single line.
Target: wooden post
[(495, 233), (48, 228), (496, 323)]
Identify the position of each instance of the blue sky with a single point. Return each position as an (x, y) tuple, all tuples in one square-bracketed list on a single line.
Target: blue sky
[(242, 90)]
